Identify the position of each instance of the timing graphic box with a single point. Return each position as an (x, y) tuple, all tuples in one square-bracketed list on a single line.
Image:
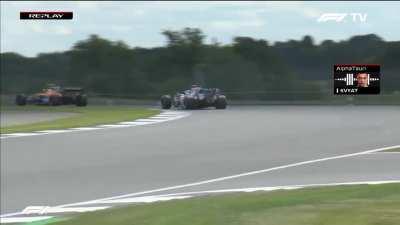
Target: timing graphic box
[(356, 79)]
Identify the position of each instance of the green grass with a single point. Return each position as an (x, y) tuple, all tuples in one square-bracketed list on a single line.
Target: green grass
[(341, 205), (44, 222), (392, 150), (85, 116)]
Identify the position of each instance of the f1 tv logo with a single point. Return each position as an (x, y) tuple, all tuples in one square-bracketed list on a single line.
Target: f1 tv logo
[(341, 17)]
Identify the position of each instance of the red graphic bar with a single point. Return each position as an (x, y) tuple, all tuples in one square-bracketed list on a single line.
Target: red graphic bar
[(356, 65)]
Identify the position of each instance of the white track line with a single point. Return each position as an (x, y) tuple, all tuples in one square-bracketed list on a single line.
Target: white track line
[(41, 210), (273, 188), (231, 177), (113, 125), (168, 197), (128, 123), (145, 199), (85, 128), (22, 134), (24, 219), (148, 120), (378, 153), (53, 131), (183, 195), (110, 199), (162, 117)]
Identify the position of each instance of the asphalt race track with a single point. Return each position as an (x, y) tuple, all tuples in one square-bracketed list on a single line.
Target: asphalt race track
[(72, 167)]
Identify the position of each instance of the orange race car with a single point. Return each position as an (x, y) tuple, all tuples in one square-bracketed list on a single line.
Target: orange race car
[(54, 95)]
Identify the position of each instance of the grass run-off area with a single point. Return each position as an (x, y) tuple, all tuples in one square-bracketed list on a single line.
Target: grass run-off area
[(393, 150), (85, 116), (340, 205)]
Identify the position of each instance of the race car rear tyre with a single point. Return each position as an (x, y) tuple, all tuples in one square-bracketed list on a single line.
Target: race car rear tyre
[(220, 103), (20, 100), (54, 100), (189, 103), (166, 102), (81, 100)]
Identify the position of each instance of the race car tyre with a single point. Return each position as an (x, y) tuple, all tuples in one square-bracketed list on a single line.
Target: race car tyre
[(189, 103), (166, 102), (176, 103), (220, 103), (81, 100), (20, 100), (54, 100)]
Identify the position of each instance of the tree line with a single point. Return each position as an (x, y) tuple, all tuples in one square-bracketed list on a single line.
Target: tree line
[(247, 68)]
